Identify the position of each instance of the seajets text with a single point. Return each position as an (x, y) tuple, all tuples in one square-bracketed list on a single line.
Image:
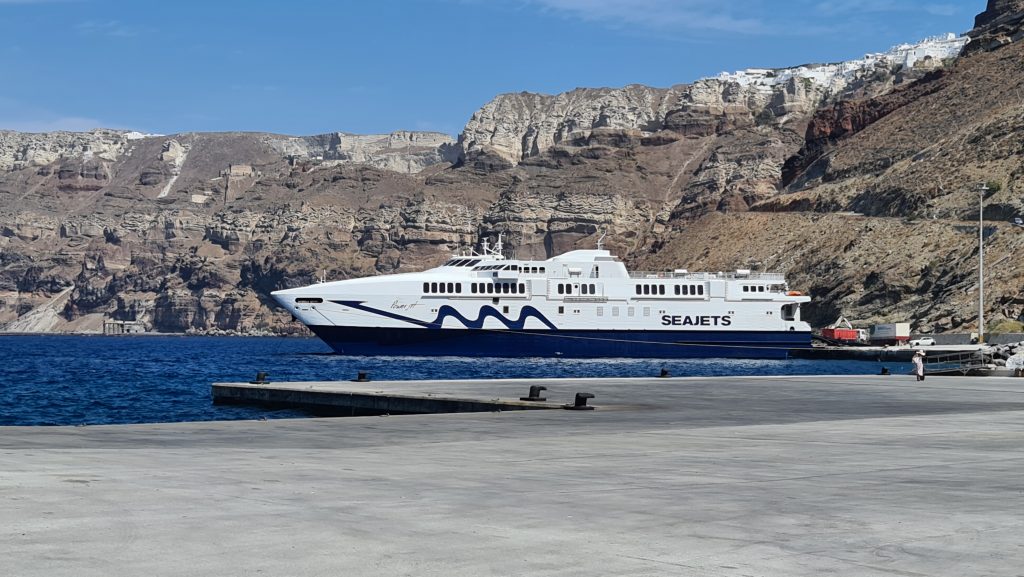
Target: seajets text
[(705, 321)]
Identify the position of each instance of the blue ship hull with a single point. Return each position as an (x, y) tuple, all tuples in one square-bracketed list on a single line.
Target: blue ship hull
[(566, 344)]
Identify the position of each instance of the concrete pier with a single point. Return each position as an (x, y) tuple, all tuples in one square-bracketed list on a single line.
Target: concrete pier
[(348, 398), (781, 476)]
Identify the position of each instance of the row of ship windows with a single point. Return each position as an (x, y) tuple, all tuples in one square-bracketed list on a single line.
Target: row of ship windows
[(659, 289), (630, 311), (513, 267), (585, 289), (475, 288), (562, 289), (462, 262), (753, 288)]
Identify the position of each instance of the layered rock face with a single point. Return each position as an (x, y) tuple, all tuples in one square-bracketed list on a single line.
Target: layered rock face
[(996, 10), (514, 127), (19, 150), (400, 151), (758, 169)]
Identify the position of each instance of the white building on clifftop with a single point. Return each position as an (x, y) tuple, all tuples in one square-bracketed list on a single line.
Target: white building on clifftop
[(839, 74)]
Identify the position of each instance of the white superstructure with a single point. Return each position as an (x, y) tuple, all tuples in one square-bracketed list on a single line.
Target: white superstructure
[(575, 304)]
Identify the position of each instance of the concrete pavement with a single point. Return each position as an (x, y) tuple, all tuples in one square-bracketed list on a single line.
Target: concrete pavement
[(727, 477)]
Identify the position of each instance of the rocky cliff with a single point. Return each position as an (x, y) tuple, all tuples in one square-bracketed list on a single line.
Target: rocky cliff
[(859, 180)]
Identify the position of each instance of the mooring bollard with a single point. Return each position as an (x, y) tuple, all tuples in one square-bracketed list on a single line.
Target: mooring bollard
[(664, 373), (581, 403), (261, 379), (885, 371), (535, 394), (361, 377)]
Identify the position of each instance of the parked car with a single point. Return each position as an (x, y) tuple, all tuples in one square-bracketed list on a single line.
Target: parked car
[(923, 342)]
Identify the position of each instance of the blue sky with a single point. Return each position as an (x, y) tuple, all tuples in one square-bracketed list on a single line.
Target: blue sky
[(311, 66)]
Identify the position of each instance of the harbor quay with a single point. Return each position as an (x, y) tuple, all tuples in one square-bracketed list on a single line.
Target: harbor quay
[(728, 476)]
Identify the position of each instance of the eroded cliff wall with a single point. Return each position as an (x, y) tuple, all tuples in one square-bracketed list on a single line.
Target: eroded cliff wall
[(856, 179)]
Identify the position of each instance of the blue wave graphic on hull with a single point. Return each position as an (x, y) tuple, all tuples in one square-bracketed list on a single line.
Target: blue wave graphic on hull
[(449, 311)]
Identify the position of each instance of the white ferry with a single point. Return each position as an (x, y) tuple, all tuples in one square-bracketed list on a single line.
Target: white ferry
[(581, 304)]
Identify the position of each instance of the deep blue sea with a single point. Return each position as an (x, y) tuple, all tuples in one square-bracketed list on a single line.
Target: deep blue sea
[(75, 380)]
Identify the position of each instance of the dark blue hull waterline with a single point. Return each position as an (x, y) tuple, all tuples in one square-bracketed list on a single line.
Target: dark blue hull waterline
[(566, 344)]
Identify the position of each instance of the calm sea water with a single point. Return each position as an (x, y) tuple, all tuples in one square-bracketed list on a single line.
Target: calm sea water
[(72, 380)]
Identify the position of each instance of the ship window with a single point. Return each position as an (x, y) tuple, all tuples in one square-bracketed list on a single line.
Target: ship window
[(541, 270), (561, 310), (451, 287), (789, 313), (504, 309), (647, 289), (309, 300), (584, 289), (433, 287), (458, 288), (472, 288), (760, 289), (700, 289), (637, 289), (647, 311), (593, 289), (561, 289), (426, 287), (522, 288), (661, 289), (678, 290), (746, 288)]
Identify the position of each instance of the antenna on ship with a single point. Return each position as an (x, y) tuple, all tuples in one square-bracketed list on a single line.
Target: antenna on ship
[(600, 241), (498, 245)]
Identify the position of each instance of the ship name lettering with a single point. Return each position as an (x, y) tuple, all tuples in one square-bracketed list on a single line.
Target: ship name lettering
[(696, 321)]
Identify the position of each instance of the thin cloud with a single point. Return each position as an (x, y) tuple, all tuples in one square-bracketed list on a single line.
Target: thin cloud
[(846, 7), (694, 19), (114, 28), (662, 15), (67, 123)]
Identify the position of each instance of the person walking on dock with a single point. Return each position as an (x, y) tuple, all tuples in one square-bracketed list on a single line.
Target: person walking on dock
[(919, 365)]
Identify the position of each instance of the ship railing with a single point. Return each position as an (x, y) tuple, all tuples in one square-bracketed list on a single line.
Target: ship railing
[(672, 275)]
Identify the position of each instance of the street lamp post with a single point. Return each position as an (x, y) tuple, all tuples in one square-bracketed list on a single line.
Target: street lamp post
[(981, 263)]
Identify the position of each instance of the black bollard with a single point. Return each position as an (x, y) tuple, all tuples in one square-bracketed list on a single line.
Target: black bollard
[(664, 373), (535, 394), (581, 403), (885, 371), (261, 379), (361, 377)]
